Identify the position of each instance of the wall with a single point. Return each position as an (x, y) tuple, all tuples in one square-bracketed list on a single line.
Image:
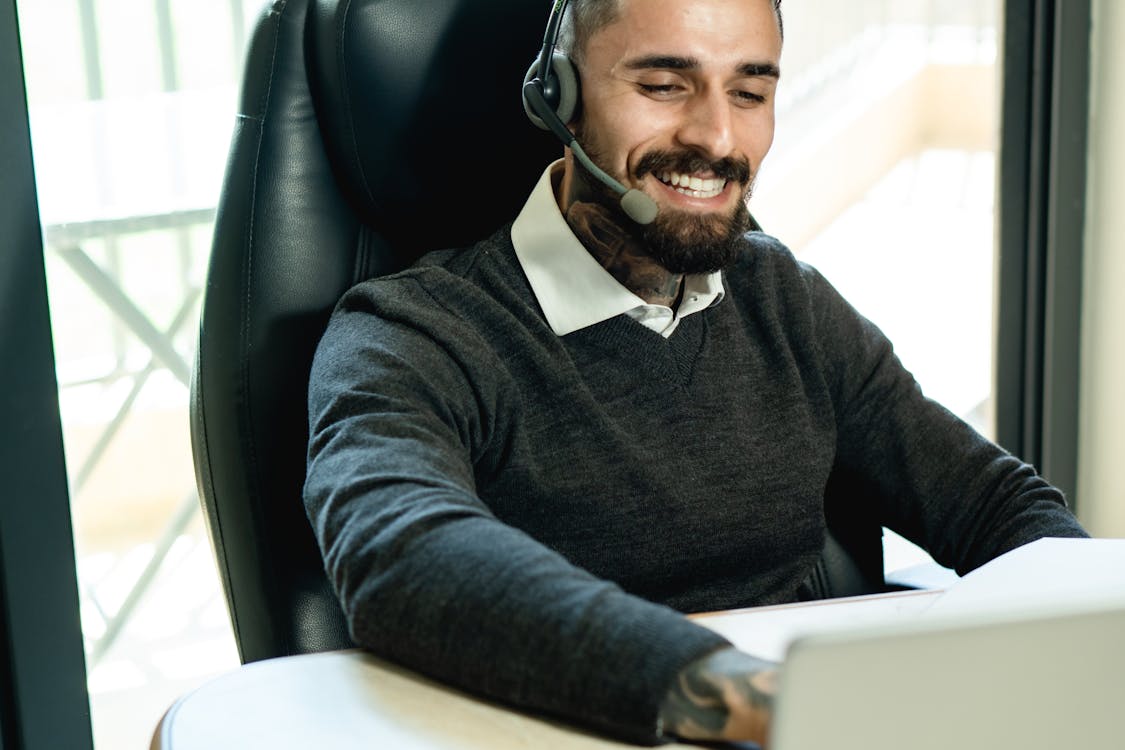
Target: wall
[(825, 157), (1101, 491)]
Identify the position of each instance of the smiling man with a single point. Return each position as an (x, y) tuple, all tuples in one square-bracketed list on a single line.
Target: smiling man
[(531, 457), (688, 124)]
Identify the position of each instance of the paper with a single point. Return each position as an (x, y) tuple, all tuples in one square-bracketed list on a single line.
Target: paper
[(1048, 573), (766, 632)]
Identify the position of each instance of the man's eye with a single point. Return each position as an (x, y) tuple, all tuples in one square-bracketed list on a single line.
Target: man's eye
[(750, 97), (657, 88)]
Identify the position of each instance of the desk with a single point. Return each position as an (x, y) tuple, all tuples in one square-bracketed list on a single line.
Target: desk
[(350, 699)]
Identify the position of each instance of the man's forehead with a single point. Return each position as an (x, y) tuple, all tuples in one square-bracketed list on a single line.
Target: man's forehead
[(742, 32), (702, 12)]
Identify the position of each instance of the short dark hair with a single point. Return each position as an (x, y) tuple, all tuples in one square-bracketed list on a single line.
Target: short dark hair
[(584, 17)]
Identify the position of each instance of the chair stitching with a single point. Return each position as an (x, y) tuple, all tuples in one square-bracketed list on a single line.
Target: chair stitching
[(248, 267), (349, 121)]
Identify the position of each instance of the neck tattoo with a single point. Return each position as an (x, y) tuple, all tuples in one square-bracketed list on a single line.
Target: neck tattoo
[(622, 254)]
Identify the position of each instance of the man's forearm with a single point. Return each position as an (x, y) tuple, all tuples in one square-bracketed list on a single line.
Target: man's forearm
[(727, 695)]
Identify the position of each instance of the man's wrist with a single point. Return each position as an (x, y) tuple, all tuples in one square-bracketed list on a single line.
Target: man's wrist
[(726, 695)]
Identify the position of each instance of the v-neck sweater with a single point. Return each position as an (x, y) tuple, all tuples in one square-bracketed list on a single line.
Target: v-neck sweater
[(527, 516)]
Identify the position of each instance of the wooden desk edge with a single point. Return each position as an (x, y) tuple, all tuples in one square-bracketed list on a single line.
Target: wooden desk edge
[(160, 735), (817, 603)]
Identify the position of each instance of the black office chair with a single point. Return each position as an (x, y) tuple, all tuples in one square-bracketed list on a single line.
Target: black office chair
[(356, 121), (363, 125)]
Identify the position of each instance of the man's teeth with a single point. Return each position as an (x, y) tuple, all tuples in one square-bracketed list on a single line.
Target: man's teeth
[(696, 187)]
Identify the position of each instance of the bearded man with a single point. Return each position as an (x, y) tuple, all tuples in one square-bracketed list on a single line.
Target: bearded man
[(531, 457)]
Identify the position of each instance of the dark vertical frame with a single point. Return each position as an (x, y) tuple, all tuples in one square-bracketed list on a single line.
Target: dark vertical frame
[(1042, 218), (43, 699)]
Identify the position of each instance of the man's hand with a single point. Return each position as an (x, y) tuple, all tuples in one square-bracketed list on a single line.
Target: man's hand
[(727, 695)]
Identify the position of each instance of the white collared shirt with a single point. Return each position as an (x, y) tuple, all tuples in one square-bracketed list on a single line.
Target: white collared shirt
[(573, 289)]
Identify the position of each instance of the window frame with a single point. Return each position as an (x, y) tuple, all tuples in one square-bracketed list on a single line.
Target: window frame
[(1041, 205), (43, 696)]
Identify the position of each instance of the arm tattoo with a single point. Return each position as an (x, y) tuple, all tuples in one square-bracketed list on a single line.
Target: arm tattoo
[(727, 695), (623, 254)]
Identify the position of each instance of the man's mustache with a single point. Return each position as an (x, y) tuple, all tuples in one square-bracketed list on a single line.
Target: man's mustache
[(686, 162)]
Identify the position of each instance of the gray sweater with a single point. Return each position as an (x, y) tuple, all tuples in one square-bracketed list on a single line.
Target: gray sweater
[(527, 516)]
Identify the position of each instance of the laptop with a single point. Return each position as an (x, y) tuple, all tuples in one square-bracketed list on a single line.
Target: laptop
[(1051, 676)]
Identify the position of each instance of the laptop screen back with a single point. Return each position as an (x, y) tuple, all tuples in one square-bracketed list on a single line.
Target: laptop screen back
[(985, 682)]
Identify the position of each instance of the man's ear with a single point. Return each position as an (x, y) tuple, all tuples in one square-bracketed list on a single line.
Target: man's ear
[(560, 90)]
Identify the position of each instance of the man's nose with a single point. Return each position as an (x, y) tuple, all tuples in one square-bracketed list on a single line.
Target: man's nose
[(707, 125)]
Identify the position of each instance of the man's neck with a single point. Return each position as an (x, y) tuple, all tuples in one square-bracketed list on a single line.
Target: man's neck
[(611, 238)]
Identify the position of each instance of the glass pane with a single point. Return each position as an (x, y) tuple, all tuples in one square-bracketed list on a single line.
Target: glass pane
[(883, 177), (132, 106)]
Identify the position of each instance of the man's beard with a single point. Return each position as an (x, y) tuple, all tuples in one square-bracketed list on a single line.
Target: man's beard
[(682, 241)]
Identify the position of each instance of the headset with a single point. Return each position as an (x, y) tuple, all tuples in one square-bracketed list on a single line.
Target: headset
[(550, 98)]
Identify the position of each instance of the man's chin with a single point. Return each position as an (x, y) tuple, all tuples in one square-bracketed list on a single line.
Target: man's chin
[(694, 257), (689, 242)]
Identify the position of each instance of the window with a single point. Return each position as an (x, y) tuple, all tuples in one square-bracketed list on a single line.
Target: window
[(883, 176), (131, 106)]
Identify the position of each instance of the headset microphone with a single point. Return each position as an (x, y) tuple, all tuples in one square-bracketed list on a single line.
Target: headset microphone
[(636, 205), (550, 96)]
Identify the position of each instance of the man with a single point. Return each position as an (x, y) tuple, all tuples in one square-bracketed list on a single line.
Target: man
[(529, 457)]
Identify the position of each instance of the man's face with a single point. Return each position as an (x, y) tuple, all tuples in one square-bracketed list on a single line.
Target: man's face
[(678, 101)]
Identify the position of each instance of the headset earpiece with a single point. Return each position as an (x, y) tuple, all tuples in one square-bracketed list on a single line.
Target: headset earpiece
[(550, 99), (560, 90)]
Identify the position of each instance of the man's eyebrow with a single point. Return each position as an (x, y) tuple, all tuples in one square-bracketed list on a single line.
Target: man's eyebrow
[(759, 70), (664, 62), (675, 62)]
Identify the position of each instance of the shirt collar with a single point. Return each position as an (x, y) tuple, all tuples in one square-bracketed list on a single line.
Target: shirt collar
[(572, 289)]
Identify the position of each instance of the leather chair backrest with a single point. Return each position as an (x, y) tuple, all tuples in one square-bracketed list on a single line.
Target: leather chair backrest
[(368, 132)]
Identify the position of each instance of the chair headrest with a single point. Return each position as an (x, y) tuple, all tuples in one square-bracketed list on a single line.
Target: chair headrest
[(419, 103)]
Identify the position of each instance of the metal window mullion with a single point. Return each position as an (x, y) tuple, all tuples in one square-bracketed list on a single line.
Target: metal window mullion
[(1065, 236), (1015, 277), (44, 703), (91, 50), (1041, 204), (173, 530), (1038, 205), (124, 308), (238, 29), (166, 40), (94, 456), (118, 332)]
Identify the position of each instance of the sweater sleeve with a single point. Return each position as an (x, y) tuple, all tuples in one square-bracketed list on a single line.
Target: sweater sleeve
[(938, 482), (426, 574)]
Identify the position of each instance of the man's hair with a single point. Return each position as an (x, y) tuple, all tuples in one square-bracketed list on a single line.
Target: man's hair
[(584, 17)]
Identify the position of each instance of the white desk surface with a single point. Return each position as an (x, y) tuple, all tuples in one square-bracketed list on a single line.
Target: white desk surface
[(350, 699)]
